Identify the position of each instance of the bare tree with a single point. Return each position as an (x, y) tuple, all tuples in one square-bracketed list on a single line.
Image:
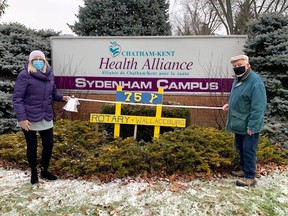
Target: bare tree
[(268, 6), (197, 18), (242, 18), (224, 12), (245, 10), (3, 6), (206, 16)]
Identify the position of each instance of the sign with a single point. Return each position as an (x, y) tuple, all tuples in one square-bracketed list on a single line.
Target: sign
[(194, 64), (137, 120), (139, 97)]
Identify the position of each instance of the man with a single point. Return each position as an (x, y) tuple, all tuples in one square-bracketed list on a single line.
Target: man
[(246, 109)]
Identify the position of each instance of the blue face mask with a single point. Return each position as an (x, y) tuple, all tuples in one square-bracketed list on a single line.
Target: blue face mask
[(38, 64)]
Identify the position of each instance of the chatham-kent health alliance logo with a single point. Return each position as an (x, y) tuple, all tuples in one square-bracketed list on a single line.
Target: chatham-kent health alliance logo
[(114, 49)]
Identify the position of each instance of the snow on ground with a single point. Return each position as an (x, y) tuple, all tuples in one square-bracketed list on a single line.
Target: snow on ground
[(130, 197)]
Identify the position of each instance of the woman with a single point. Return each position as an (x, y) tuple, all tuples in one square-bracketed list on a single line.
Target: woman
[(34, 92)]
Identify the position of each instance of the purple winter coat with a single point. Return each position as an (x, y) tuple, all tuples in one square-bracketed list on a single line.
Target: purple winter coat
[(33, 95)]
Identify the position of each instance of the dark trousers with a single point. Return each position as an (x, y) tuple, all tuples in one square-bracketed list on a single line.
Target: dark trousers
[(247, 146), (47, 143)]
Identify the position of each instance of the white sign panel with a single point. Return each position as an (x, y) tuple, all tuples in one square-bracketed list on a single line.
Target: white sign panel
[(199, 64)]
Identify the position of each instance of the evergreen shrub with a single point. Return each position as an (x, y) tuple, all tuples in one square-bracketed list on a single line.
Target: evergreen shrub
[(79, 152), (7, 115), (267, 48)]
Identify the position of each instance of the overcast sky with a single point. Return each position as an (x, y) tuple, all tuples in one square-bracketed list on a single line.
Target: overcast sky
[(45, 14)]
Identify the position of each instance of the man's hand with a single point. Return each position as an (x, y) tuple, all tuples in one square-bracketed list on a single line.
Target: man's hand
[(25, 125), (225, 107), (250, 132)]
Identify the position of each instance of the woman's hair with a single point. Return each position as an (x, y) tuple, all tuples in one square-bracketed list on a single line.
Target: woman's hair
[(32, 69)]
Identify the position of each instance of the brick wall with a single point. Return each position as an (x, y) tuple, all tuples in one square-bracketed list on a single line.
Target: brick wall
[(199, 117)]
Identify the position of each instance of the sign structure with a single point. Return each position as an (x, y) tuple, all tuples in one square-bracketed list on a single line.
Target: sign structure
[(179, 65), (140, 97)]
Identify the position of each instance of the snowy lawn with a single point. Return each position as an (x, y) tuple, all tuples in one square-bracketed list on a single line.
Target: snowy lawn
[(131, 197)]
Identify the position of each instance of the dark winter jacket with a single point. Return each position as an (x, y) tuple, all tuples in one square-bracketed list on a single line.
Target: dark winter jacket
[(247, 105), (33, 95)]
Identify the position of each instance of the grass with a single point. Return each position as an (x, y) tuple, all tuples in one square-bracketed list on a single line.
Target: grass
[(137, 197)]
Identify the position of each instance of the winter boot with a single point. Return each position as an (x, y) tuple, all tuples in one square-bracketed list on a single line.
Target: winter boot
[(34, 176), (45, 174), (246, 182)]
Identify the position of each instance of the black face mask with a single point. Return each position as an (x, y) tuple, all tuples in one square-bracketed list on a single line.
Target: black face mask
[(239, 70)]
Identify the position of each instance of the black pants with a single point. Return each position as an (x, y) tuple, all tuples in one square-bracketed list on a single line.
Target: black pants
[(47, 143)]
